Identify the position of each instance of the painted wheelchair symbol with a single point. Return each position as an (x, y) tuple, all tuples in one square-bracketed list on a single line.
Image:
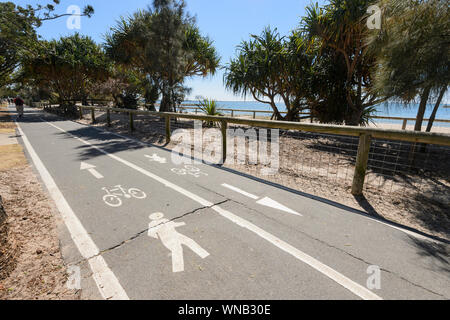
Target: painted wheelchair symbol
[(189, 170), (113, 196)]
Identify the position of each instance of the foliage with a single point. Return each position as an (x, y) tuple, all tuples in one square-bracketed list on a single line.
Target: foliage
[(69, 67), (164, 44), (341, 26), (209, 108), (413, 50), (18, 33), (270, 68)]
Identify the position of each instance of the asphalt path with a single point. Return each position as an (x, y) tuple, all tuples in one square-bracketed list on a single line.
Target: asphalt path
[(204, 232)]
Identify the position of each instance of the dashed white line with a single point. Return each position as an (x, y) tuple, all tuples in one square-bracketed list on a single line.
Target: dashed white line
[(347, 283), (107, 283), (245, 193)]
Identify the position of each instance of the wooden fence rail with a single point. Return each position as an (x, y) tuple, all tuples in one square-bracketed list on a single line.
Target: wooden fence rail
[(365, 134), (254, 112)]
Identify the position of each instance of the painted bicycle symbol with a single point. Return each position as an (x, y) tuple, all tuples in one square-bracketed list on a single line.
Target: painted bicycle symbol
[(189, 170), (113, 196)]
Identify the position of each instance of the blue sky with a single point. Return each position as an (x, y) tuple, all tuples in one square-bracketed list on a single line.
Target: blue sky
[(227, 22)]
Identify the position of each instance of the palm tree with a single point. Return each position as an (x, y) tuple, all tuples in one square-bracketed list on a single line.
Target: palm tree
[(165, 44), (270, 68), (341, 26), (209, 108), (413, 51)]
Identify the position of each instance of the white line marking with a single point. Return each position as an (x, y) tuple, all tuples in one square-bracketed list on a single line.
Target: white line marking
[(354, 287), (365, 215), (275, 205), (91, 169), (251, 196), (268, 202), (347, 283), (105, 279)]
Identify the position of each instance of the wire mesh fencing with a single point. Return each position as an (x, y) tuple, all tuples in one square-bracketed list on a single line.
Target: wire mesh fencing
[(409, 168), (296, 159)]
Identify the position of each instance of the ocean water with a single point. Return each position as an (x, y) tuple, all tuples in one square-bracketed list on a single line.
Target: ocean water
[(391, 109)]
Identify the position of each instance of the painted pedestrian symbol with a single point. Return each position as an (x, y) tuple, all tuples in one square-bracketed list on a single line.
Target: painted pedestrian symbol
[(164, 229), (113, 196)]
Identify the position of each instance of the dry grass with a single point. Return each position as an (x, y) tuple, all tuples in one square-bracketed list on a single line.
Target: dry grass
[(11, 156), (6, 123)]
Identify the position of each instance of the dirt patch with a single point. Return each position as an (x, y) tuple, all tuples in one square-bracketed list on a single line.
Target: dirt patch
[(39, 271)]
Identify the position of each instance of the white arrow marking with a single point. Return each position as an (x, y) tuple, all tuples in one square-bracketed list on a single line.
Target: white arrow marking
[(264, 202), (273, 204), (91, 169), (157, 158)]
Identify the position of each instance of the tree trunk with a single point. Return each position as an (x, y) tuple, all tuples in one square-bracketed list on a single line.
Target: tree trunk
[(436, 107), (291, 115), (165, 103), (422, 107), (355, 118)]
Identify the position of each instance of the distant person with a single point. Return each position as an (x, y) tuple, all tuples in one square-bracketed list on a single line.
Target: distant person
[(19, 106)]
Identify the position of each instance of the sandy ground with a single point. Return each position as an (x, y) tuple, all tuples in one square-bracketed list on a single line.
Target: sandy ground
[(398, 126), (323, 167), (40, 273)]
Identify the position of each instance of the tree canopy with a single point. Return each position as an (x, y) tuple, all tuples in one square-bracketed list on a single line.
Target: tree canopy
[(18, 35), (165, 44), (413, 51), (69, 67), (270, 67)]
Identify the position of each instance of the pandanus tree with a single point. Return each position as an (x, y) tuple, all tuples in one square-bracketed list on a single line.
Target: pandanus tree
[(165, 44), (341, 25), (270, 68), (68, 67), (18, 35), (413, 51)]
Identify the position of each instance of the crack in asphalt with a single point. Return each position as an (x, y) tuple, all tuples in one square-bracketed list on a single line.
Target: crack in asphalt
[(267, 217), (137, 235), (323, 242)]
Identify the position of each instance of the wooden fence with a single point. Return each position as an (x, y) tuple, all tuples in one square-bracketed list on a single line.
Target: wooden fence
[(233, 112), (365, 134)]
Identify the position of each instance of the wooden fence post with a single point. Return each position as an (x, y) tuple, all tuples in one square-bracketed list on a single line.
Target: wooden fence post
[(93, 115), (168, 129), (405, 123), (108, 117), (223, 128), (254, 115), (361, 164), (131, 121), (81, 112)]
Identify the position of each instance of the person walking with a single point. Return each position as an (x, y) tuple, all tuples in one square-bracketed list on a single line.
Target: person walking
[(18, 101)]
